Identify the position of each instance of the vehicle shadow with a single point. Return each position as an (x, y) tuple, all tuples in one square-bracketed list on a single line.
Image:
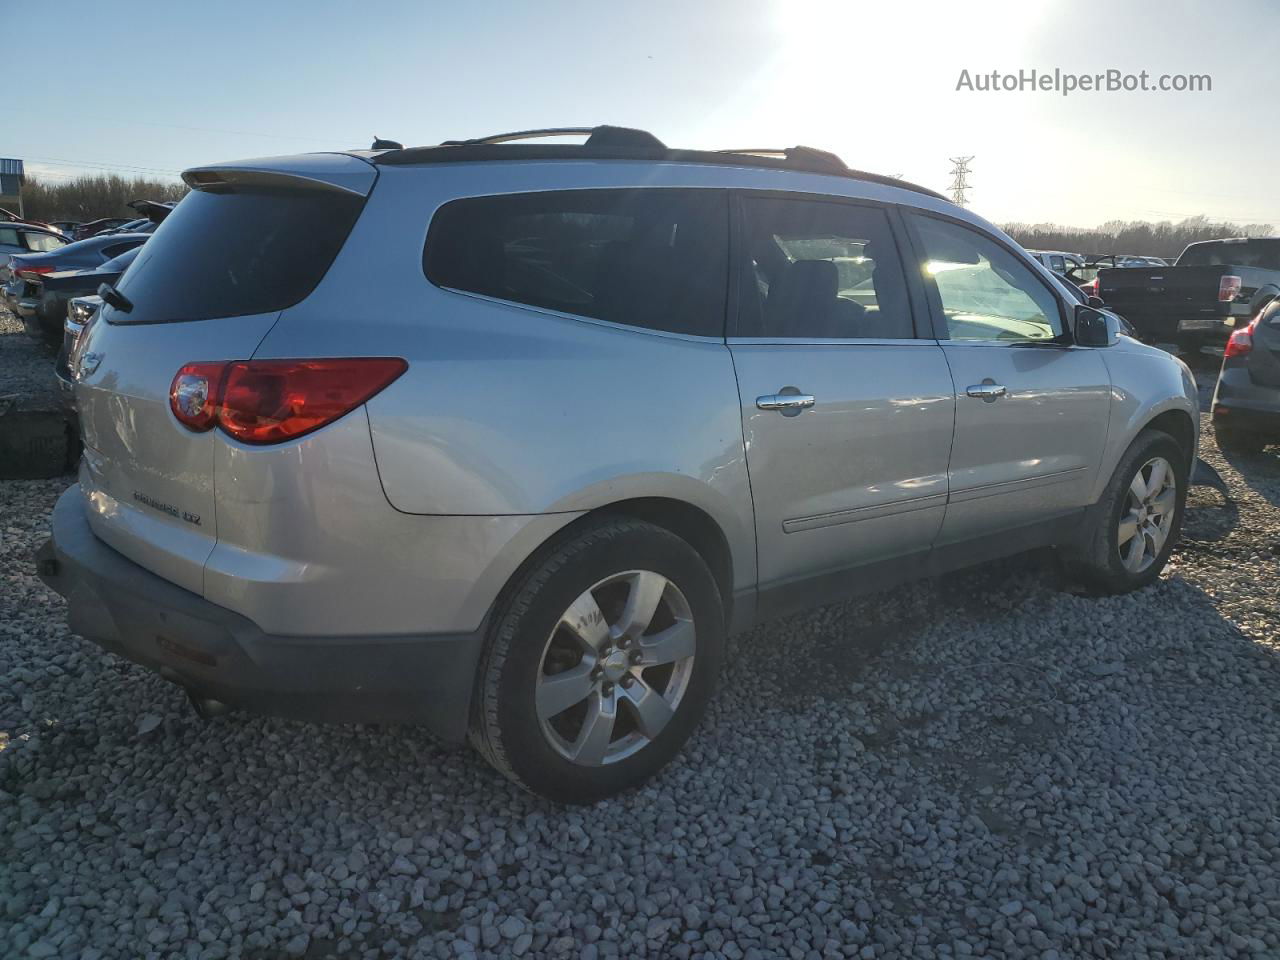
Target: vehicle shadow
[(1260, 472)]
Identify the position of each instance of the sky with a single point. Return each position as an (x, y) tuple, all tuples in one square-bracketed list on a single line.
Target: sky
[(170, 85)]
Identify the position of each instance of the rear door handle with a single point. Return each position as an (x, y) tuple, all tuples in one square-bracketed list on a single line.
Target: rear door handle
[(988, 390), (788, 403)]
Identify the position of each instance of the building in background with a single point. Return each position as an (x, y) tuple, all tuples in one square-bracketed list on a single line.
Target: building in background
[(11, 179)]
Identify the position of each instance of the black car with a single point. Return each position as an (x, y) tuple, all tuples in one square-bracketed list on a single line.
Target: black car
[(1215, 287), (95, 227), (25, 270), (53, 291), (1246, 402)]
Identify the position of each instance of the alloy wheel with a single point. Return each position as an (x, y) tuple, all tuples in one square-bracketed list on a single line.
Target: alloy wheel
[(1147, 519), (615, 668)]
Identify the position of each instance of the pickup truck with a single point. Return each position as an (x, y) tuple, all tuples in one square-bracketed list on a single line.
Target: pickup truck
[(1214, 286)]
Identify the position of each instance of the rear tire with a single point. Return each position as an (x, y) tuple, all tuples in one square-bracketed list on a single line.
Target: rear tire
[(1136, 522), (629, 618)]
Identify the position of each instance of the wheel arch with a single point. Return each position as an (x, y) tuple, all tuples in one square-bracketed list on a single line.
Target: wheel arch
[(1178, 424), (691, 523)]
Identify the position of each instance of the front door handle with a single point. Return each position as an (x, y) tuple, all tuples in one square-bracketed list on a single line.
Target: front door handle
[(789, 404), (988, 390)]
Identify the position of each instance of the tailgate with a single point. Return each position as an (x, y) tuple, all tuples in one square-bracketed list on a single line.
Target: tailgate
[(1159, 297), (206, 289)]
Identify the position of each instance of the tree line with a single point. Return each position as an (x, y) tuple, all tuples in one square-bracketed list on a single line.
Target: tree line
[(1136, 237), (93, 197)]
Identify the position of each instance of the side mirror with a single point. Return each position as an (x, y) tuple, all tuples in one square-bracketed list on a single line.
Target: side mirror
[(1095, 328), (1097, 303)]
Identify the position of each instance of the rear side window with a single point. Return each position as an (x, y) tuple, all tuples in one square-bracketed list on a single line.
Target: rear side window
[(9, 237), (652, 258), (237, 252), (1255, 254), (113, 251)]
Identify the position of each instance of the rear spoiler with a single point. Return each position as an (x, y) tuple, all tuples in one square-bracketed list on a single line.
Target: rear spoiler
[(153, 210), (338, 172)]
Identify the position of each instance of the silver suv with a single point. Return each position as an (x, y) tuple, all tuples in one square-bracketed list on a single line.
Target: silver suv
[(505, 438)]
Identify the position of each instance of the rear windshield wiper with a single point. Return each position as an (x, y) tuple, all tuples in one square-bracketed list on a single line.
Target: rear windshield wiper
[(111, 295)]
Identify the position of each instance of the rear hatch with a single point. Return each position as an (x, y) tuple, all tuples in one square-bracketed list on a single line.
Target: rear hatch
[(1156, 298), (250, 240), (1264, 358)]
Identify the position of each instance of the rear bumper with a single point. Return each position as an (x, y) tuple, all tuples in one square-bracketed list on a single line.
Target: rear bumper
[(219, 654), (1240, 402)]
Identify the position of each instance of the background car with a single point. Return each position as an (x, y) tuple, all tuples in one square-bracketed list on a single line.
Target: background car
[(80, 310), (1246, 402), (65, 227), (1059, 261), (94, 227), (81, 255), (25, 238), (53, 291)]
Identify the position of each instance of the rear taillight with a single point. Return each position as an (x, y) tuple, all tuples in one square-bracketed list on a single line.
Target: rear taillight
[(193, 395), (31, 273), (1241, 341), (1090, 288), (1228, 288), (271, 401)]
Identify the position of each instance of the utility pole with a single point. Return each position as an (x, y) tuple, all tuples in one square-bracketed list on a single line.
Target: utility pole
[(959, 179)]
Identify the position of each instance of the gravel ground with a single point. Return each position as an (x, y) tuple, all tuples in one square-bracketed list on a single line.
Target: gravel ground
[(988, 765), (26, 368)]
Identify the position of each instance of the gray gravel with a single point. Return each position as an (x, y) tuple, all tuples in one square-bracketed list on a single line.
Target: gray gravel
[(990, 765), (26, 368)]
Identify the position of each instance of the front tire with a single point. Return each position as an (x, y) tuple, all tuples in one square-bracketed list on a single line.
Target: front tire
[(600, 662), (1136, 522)]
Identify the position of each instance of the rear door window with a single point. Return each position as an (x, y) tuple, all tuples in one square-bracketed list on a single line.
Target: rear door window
[(816, 270), (653, 258), (236, 252), (9, 237)]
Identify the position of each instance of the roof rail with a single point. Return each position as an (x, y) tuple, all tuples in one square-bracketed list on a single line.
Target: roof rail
[(626, 143), (599, 136), (808, 158)]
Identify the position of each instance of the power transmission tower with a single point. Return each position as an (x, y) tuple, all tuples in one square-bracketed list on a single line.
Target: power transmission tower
[(959, 179)]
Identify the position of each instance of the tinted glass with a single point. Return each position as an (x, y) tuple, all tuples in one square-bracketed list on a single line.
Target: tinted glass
[(814, 270), (987, 293), (9, 237), (1256, 253), (649, 258), (237, 252)]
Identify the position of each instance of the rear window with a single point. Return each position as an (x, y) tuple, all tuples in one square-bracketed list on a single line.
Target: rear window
[(652, 258), (232, 253), (1250, 254)]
